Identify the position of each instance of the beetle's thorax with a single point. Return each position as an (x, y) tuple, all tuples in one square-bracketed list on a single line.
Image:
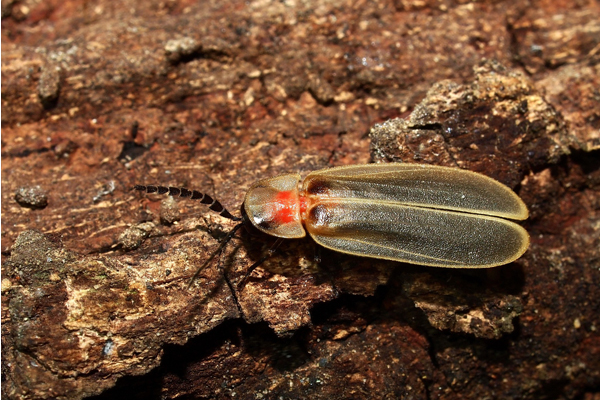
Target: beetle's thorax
[(273, 206)]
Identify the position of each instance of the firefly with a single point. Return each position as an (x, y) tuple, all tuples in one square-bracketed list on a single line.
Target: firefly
[(412, 213)]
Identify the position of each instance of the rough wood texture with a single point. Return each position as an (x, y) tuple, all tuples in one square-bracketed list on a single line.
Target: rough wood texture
[(97, 97)]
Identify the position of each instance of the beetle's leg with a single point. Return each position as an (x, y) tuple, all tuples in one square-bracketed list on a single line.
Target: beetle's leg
[(268, 254), (214, 254), (317, 257), (232, 288), (224, 271)]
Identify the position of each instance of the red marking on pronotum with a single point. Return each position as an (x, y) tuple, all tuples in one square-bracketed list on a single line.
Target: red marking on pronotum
[(287, 207), (419, 214)]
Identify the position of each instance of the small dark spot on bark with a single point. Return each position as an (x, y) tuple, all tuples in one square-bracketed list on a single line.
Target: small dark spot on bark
[(131, 151)]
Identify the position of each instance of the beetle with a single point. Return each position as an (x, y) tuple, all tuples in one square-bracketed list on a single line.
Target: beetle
[(413, 213)]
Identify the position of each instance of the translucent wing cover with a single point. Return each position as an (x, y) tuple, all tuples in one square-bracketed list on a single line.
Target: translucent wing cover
[(418, 214)]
